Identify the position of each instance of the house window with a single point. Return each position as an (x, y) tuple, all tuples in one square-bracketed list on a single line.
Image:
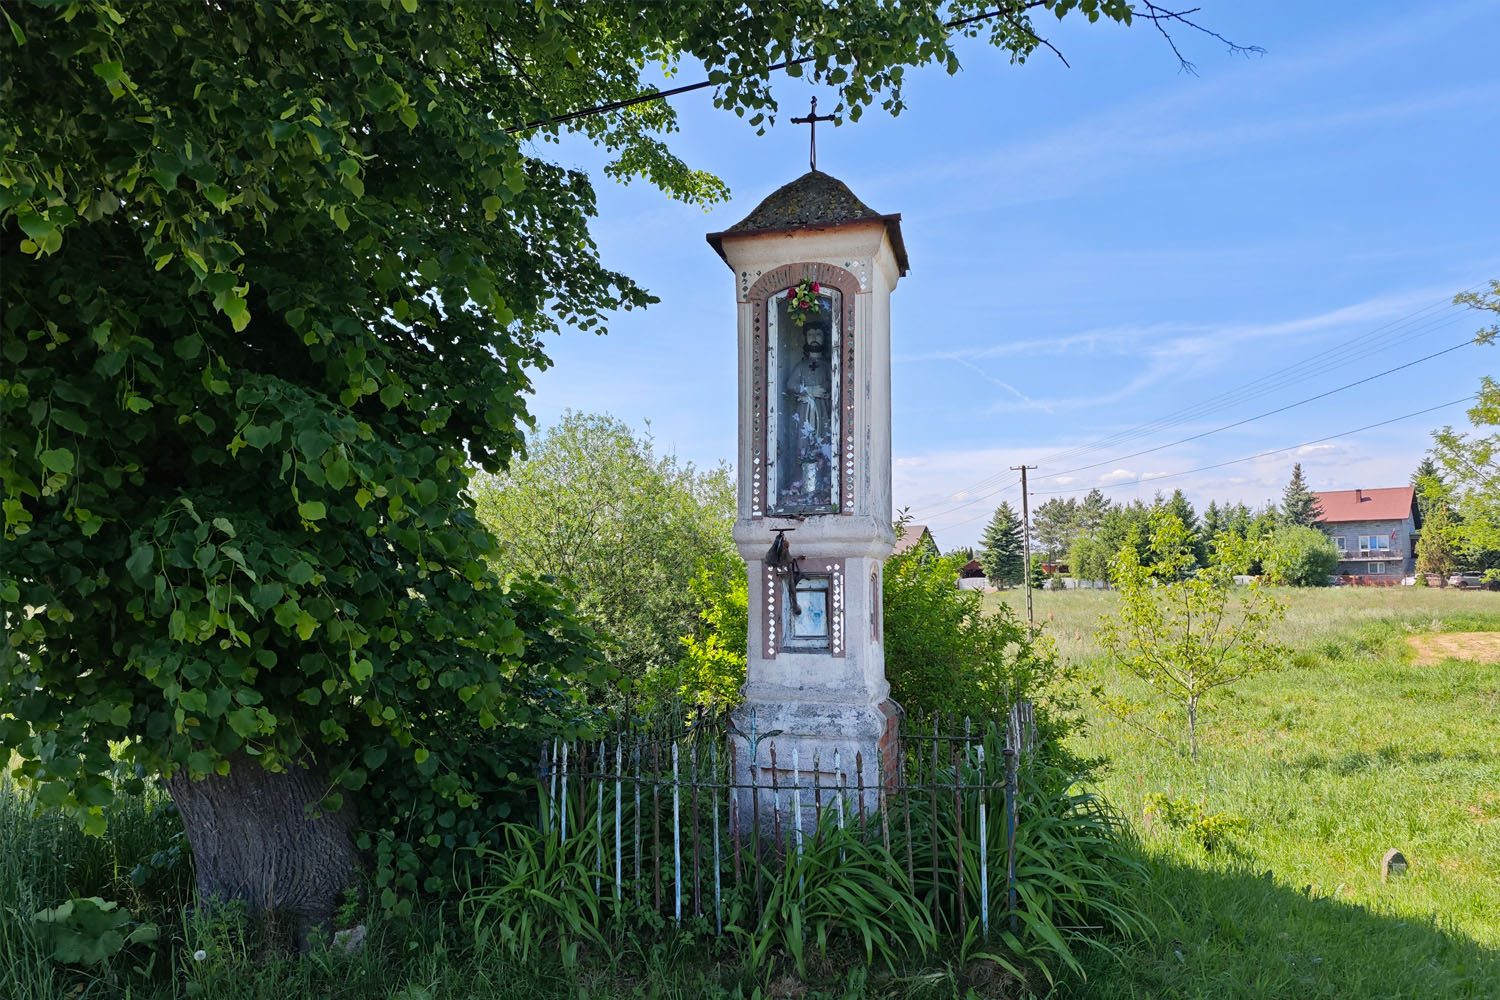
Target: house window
[(1374, 543), (1338, 543), (1377, 568)]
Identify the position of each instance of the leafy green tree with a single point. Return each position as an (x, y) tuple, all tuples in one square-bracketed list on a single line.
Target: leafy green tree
[(1434, 548), (1298, 505), (270, 291), (1184, 635), (1237, 520), (1426, 479), (1090, 512), (1002, 548), (1470, 462), (1087, 560), (945, 653), (596, 505), (1038, 575), (1300, 557), (712, 668)]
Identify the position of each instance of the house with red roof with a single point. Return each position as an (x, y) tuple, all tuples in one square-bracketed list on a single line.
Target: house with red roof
[(1375, 532)]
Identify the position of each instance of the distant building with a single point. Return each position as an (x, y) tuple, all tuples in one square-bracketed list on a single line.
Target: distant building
[(1375, 532), (971, 576), (916, 536)]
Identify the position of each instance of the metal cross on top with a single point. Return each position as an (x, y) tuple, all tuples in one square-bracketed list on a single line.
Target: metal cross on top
[(812, 120)]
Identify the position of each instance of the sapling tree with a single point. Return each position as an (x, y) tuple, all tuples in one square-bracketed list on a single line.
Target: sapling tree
[(1185, 635)]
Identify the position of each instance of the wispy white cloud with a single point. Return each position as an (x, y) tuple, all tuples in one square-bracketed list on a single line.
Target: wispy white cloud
[(1184, 351)]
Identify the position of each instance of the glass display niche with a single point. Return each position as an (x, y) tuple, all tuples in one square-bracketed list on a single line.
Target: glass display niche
[(802, 419)]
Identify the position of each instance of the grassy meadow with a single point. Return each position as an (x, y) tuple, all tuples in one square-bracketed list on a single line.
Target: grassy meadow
[(1306, 777)]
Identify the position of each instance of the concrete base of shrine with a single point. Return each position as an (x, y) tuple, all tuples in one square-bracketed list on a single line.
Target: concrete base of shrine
[(797, 759)]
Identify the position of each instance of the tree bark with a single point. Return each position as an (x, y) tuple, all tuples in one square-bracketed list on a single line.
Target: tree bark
[(256, 838)]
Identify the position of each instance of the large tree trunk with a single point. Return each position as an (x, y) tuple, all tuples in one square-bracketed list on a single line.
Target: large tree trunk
[(255, 838)]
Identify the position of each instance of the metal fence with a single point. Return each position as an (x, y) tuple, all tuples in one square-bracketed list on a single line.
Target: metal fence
[(673, 831)]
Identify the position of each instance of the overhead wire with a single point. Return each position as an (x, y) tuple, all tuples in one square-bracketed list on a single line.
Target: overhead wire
[(1246, 458), (1400, 330), (970, 501), (1268, 413), (1291, 447)]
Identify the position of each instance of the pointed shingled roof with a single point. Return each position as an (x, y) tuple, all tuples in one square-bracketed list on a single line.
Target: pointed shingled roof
[(813, 201)]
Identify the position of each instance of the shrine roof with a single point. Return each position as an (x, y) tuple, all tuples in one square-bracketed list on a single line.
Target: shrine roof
[(813, 201)]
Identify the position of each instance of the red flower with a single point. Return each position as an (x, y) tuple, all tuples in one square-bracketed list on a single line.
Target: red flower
[(815, 287)]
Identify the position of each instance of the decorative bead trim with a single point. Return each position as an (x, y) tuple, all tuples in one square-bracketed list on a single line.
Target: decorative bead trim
[(835, 572), (770, 592)]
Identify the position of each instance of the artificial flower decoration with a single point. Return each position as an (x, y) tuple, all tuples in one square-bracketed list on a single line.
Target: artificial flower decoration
[(803, 302)]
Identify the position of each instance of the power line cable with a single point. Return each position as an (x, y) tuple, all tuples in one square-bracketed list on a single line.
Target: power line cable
[(1268, 413), (1238, 423), (1237, 461), (1383, 337), (1277, 451)]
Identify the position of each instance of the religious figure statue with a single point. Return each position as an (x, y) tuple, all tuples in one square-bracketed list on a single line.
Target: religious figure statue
[(808, 392)]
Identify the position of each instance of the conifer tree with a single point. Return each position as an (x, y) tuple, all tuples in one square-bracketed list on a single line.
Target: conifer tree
[(1001, 547), (1298, 505), (1434, 547), (1427, 479), (1213, 520), (1182, 507)]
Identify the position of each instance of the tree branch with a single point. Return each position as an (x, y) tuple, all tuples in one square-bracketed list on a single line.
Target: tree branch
[(1157, 15)]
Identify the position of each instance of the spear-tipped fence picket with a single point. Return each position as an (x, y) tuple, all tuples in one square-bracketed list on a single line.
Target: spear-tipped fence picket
[(665, 812)]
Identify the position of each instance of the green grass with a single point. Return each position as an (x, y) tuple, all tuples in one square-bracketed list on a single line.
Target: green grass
[(1346, 752)]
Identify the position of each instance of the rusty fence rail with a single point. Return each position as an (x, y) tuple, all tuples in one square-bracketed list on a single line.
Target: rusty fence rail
[(671, 828)]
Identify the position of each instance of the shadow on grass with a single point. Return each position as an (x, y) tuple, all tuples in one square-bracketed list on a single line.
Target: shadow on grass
[(1239, 934)]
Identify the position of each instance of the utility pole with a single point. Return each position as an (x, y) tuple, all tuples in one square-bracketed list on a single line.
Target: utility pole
[(1026, 539)]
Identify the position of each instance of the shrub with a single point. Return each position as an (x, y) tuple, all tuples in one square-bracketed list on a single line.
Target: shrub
[(943, 653), (1300, 557), (1209, 829), (712, 668), (595, 504)]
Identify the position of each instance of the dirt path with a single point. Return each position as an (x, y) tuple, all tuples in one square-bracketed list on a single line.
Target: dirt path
[(1483, 647)]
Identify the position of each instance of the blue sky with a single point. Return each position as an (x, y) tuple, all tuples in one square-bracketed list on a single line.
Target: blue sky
[(1097, 249)]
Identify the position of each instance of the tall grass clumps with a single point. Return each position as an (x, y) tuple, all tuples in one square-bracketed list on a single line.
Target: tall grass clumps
[(1081, 883)]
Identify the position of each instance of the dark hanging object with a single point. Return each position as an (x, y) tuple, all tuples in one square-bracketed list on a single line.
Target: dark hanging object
[(779, 558)]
